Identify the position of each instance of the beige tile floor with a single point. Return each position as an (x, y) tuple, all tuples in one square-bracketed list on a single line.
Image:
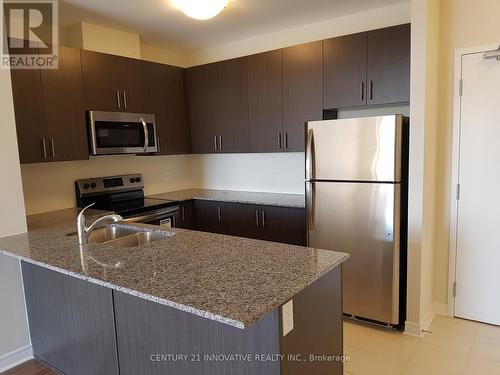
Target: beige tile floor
[(454, 346)]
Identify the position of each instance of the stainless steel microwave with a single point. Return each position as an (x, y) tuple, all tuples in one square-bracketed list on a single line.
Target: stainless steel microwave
[(121, 133)]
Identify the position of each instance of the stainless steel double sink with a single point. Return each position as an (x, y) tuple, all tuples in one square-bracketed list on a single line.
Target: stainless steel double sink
[(124, 236)]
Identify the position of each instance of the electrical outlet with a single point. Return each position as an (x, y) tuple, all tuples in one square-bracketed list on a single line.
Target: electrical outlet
[(287, 317)]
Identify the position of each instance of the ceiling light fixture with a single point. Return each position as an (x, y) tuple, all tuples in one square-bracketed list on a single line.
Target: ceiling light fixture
[(200, 9)]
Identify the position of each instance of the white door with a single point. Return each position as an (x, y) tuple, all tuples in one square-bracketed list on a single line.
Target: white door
[(478, 218)]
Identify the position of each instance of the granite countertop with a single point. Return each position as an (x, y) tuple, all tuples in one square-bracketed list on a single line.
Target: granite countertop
[(232, 280), (266, 199)]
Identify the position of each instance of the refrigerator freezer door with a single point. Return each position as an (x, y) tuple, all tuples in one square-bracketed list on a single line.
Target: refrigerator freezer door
[(362, 149), (361, 219)]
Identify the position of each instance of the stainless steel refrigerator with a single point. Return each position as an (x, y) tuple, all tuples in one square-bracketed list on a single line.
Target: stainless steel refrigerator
[(356, 200)]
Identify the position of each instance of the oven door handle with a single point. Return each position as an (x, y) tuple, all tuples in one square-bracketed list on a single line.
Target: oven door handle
[(153, 216), (146, 134)]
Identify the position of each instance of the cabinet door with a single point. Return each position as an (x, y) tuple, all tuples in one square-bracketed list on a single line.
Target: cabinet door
[(28, 108), (168, 101), (344, 64), (283, 224), (100, 82), (207, 216), (133, 83), (389, 65), (186, 217), (218, 107), (202, 104), (64, 110), (265, 101), (302, 91)]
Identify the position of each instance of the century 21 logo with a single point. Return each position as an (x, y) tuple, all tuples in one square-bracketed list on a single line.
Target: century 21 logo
[(31, 28)]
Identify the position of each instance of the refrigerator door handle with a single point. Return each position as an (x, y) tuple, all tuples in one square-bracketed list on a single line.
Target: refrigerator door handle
[(310, 203), (310, 155)]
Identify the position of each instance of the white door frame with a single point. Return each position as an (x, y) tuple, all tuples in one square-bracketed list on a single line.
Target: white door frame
[(455, 165)]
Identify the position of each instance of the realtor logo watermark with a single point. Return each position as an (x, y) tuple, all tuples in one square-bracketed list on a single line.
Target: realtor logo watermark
[(30, 34)]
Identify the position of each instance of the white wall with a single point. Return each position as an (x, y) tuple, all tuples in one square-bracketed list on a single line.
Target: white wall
[(50, 186), (13, 323)]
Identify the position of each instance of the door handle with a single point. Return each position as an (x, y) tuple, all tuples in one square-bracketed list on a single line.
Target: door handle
[(118, 102), (53, 147), (263, 219), (183, 214), (257, 218), (146, 134), (221, 147), (158, 144), (371, 90), (44, 148), (215, 143), (310, 156), (286, 140), (362, 91), (219, 214), (279, 140), (310, 204), (124, 100)]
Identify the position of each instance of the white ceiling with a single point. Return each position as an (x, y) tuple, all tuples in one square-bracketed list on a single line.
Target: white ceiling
[(159, 23)]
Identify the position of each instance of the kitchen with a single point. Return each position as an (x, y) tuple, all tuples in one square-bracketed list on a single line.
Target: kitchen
[(225, 155)]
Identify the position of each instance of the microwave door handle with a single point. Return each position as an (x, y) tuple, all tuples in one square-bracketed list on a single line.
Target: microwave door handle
[(146, 135)]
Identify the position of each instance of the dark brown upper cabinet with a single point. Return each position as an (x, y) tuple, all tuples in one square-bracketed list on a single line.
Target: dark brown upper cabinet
[(64, 110), (371, 68), (388, 74), (168, 103), (100, 78), (302, 91), (49, 109), (218, 106), (344, 61), (115, 83), (265, 101)]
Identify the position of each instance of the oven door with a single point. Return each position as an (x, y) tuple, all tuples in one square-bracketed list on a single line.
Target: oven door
[(121, 133), (165, 217)]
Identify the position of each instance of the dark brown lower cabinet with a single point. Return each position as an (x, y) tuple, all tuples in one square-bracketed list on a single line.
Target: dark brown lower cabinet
[(71, 322), (270, 223), (185, 218)]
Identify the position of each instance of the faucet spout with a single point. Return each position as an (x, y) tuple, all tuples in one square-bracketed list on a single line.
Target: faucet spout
[(84, 231)]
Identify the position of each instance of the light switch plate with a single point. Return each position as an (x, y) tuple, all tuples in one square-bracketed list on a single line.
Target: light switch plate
[(287, 317)]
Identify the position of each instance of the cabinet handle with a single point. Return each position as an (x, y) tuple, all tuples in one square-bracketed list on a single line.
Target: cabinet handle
[(183, 214), (215, 143), (124, 100), (263, 219), (221, 147), (53, 147), (286, 140), (118, 102), (279, 140), (219, 214), (371, 90), (257, 218), (44, 148), (362, 91), (158, 147)]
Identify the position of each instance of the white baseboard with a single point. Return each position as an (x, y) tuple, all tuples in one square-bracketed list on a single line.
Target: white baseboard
[(415, 329), (16, 357)]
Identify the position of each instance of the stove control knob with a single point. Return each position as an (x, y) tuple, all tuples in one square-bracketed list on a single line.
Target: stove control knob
[(132, 180), (138, 179), (86, 186), (93, 185)]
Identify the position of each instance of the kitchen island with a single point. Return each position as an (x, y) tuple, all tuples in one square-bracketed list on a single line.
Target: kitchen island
[(192, 303)]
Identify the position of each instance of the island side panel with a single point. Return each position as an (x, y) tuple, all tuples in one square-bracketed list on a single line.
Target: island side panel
[(71, 322), (317, 328), (146, 331)]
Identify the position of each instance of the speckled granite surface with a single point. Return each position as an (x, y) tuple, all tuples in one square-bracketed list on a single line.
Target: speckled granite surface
[(232, 280), (267, 199)]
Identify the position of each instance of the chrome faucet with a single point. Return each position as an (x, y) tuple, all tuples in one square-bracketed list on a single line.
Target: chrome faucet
[(84, 231)]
